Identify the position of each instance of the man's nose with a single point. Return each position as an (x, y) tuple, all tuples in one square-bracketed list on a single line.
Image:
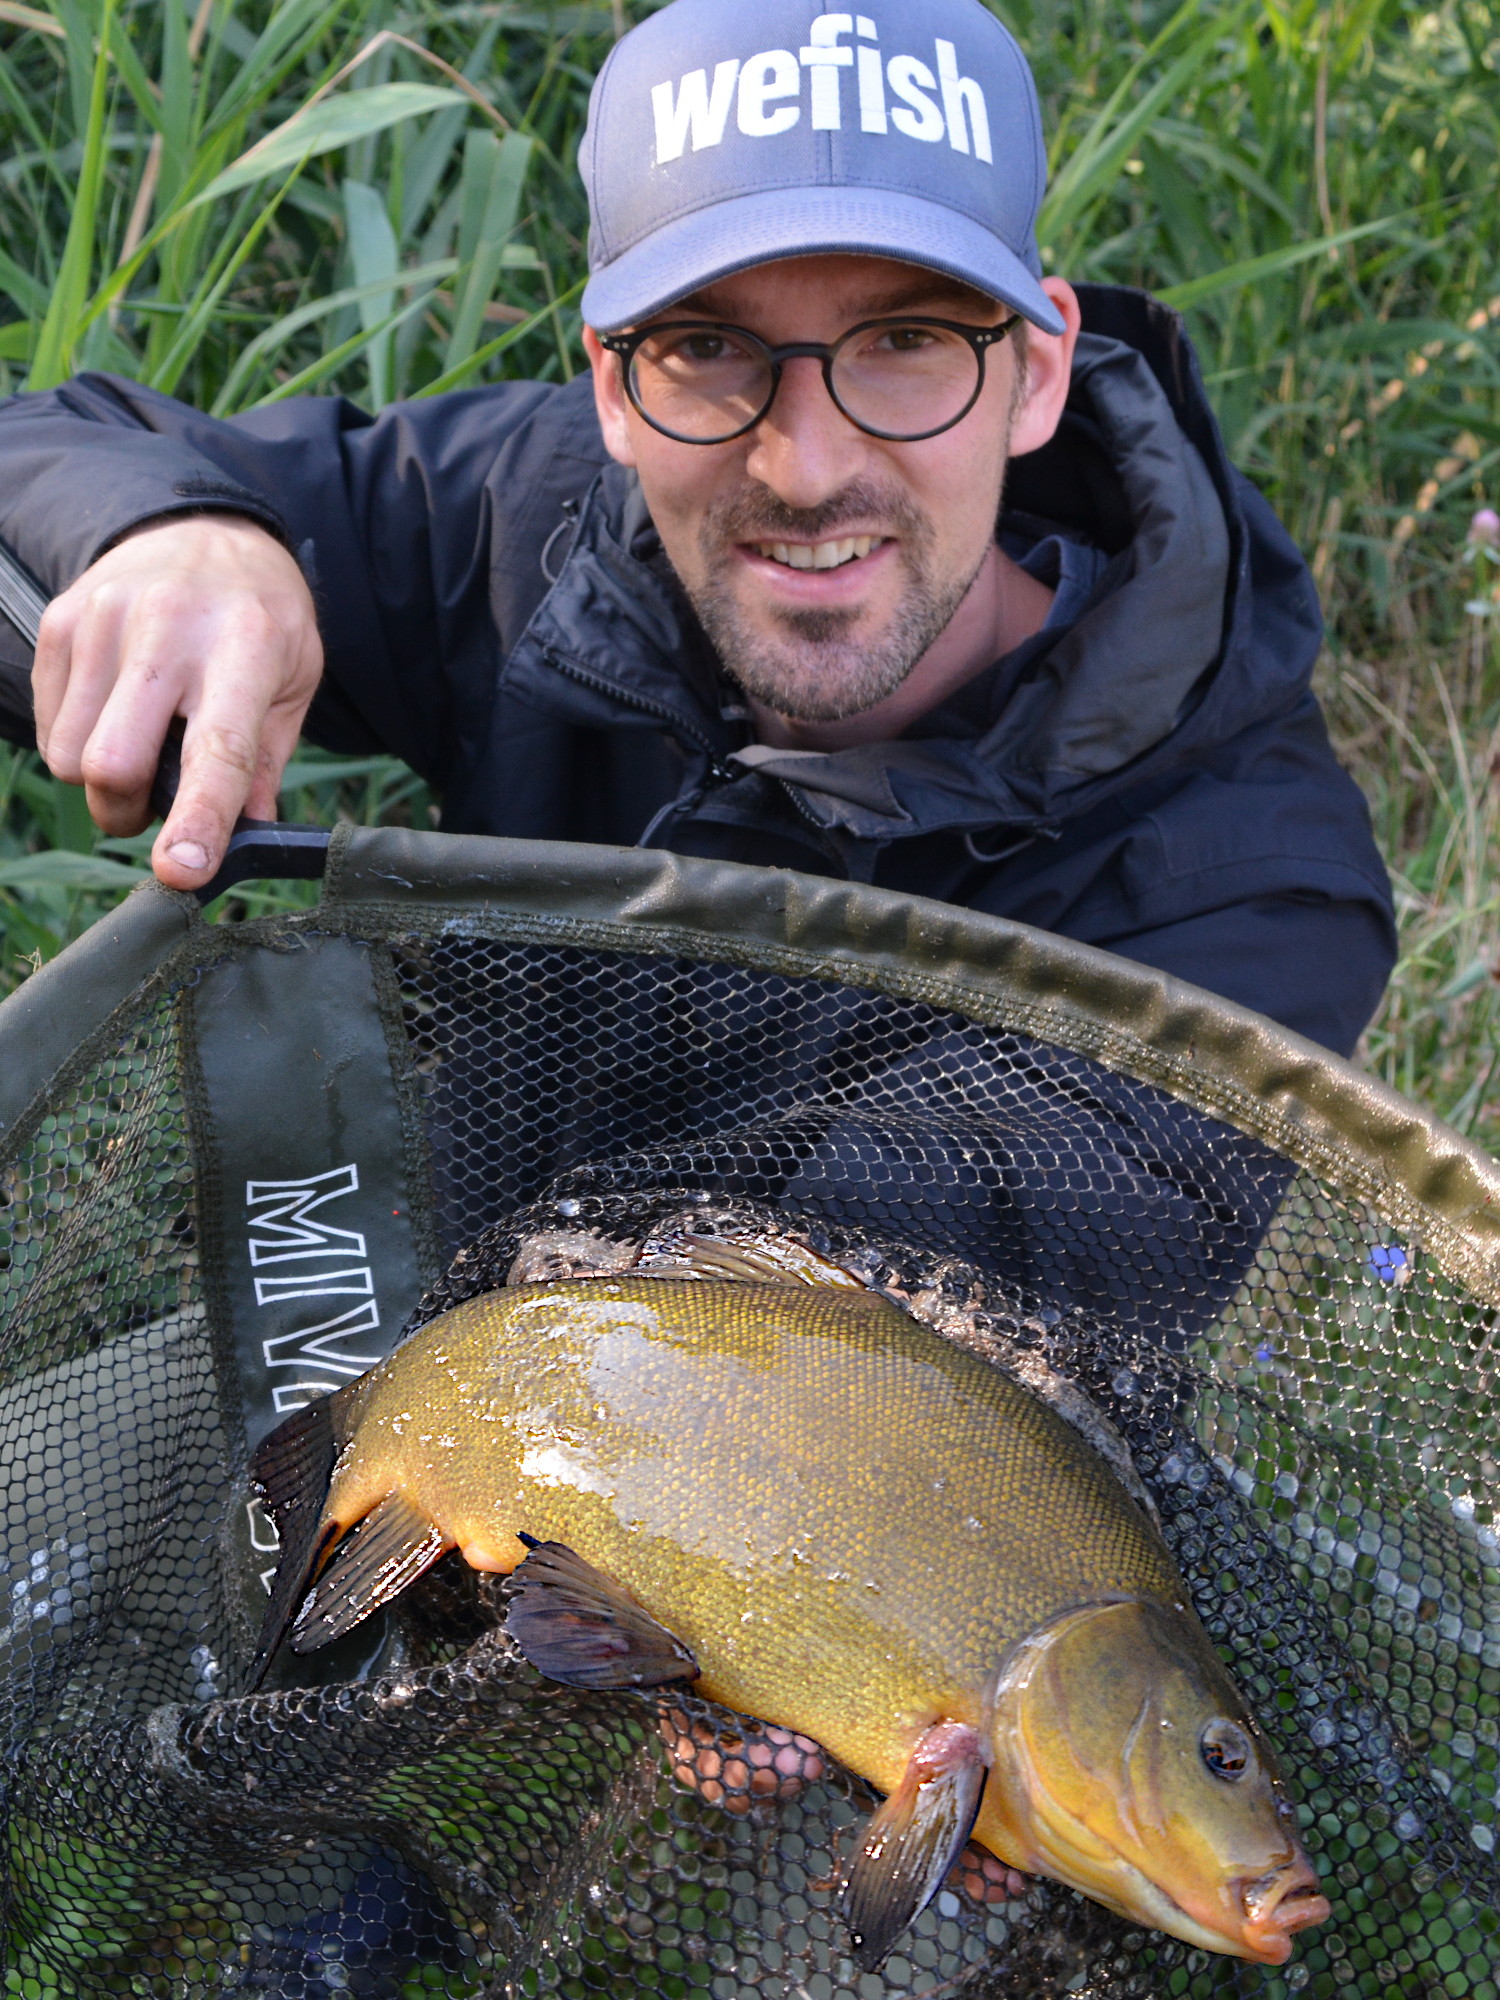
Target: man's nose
[(805, 449)]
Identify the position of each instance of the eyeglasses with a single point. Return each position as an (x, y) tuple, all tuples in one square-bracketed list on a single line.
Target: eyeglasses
[(900, 379)]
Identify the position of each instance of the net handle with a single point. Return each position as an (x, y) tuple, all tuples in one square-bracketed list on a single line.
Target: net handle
[(259, 849)]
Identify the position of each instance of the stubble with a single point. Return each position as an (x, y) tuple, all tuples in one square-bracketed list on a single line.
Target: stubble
[(813, 665)]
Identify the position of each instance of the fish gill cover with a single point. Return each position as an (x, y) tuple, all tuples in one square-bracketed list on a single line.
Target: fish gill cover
[(1303, 1384)]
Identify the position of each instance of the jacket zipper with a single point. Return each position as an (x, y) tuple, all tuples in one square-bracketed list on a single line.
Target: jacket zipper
[(805, 813), (672, 718), (680, 807)]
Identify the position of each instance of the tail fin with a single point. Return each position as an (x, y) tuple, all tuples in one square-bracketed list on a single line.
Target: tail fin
[(388, 1549), (293, 1469)]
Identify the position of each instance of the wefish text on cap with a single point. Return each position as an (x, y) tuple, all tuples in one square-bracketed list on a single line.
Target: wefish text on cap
[(699, 113), (914, 135)]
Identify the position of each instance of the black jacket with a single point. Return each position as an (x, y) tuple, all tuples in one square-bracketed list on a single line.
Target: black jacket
[(1153, 776)]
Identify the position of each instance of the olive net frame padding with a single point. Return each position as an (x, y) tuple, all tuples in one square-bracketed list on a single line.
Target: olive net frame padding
[(235, 1158)]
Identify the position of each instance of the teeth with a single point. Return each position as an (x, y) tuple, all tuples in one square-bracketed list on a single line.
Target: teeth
[(819, 555)]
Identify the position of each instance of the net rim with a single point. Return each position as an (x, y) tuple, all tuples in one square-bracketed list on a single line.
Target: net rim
[(1316, 1108), (1320, 1110)]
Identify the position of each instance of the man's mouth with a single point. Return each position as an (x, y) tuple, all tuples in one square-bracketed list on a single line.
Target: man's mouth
[(819, 555)]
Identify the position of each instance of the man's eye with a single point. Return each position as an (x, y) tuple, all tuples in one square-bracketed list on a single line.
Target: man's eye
[(702, 347), (907, 339)]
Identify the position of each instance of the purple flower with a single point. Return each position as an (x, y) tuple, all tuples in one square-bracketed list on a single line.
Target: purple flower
[(1388, 1262), (1484, 529)]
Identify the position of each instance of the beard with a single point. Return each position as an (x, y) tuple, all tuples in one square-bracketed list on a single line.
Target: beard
[(813, 666)]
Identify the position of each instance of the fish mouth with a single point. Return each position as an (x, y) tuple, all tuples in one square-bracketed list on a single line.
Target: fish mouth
[(1253, 1920), (1278, 1905)]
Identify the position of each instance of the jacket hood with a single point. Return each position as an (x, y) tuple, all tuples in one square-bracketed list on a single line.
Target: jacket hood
[(1155, 670)]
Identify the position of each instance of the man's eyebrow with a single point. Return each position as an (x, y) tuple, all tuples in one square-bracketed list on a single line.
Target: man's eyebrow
[(919, 291), (922, 289)]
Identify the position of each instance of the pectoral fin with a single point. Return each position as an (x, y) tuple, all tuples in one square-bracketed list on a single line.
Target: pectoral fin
[(389, 1549), (914, 1840), (579, 1627)]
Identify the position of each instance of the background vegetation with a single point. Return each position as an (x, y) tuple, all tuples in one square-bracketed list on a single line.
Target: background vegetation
[(1313, 183)]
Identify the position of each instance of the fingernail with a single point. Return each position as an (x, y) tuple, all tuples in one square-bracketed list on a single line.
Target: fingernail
[(188, 854)]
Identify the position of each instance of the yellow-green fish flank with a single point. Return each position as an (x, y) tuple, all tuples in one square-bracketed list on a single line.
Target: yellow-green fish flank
[(862, 1532)]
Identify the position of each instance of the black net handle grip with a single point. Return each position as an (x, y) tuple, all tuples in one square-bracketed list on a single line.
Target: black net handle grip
[(259, 849), (22, 598)]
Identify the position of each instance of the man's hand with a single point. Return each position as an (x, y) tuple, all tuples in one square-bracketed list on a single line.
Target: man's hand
[(206, 617)]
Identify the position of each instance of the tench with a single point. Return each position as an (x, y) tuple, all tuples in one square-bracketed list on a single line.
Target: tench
[(767, 1477)]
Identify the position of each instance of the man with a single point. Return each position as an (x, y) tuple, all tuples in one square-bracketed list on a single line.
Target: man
[(744, 593)]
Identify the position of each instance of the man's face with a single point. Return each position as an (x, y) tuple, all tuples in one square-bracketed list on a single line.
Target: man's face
[(906, 527)]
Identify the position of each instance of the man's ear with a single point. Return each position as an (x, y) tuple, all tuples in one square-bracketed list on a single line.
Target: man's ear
[(1049, 370), (609, 398)]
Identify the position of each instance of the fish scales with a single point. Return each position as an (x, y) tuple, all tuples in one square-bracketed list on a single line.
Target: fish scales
[(856, 1529), (847, 1519)]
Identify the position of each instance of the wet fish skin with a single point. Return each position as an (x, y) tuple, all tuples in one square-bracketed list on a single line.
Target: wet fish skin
[(897, 1504), (1100, 1726), (854, 1526)]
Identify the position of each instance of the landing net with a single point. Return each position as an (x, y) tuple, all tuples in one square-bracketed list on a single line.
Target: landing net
[(231, 1176)]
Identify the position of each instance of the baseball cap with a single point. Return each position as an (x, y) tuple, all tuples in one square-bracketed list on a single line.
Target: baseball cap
[(722, 136)]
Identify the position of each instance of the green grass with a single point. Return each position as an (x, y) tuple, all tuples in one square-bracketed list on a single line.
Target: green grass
[(1312, 183)]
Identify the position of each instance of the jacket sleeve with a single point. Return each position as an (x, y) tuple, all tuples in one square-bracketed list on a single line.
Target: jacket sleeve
[(1254, 875), (410, 527), (1263, 882), (1317, 964)]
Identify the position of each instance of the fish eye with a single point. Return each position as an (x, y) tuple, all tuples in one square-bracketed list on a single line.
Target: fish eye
[(1225, 1749)]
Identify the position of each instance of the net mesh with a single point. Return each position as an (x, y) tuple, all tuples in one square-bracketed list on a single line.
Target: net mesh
[(1306, 1393)]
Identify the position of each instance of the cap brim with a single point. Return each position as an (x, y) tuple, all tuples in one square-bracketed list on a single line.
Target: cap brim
[(809, 221)]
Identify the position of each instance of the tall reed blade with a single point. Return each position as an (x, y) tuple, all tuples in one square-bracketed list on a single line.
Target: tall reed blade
[(52, 355)]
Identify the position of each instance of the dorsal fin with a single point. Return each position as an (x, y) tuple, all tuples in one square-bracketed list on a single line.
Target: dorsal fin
[(753, 1260)]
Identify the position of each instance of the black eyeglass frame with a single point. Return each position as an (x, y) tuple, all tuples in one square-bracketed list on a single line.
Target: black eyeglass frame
[(980, 338)]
